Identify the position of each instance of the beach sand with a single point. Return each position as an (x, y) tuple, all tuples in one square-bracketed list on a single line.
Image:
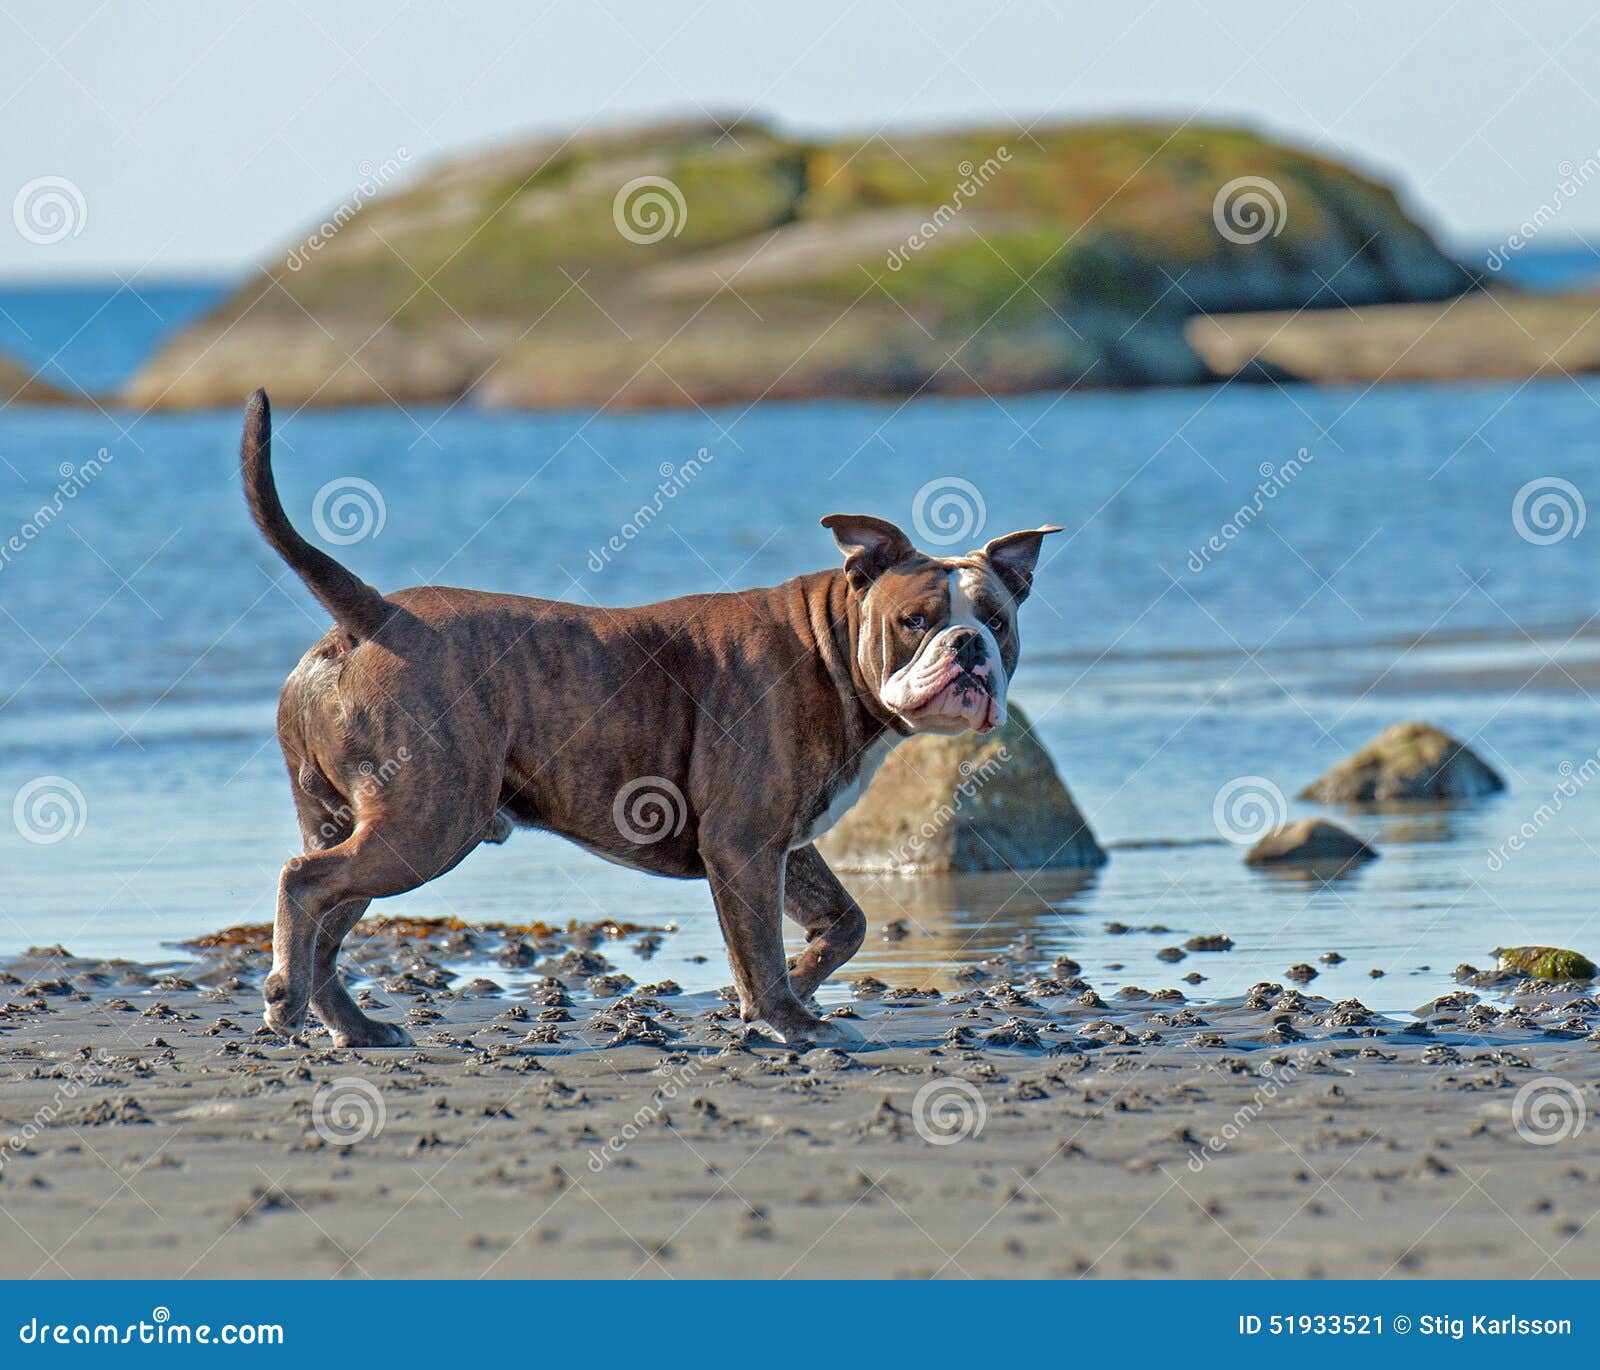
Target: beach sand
[(151, 1127)]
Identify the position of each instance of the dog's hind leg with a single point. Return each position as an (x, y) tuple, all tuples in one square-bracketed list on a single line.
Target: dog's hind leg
[(320, 896), (331, 1000), (325, 822), (834, 925), (294, 930)]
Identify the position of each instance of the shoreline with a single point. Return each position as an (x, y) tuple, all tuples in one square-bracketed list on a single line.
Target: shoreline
[(1022, 1127)]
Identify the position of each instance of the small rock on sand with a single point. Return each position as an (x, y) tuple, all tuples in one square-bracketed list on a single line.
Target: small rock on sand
[(1211, 941), (1309, 841), (1406, 761)]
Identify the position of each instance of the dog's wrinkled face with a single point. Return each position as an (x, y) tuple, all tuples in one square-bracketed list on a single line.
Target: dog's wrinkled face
[(938, 639)]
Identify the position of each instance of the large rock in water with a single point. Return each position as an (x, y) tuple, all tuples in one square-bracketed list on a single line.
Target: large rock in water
[(965, 803), (1547, 963), (1406, 761), (628, 268), (1309, 842)]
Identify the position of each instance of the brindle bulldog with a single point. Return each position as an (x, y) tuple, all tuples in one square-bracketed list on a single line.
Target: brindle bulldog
[(712, 736)]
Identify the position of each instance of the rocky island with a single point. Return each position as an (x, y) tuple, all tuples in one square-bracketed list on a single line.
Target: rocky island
[(715, 262), (20, 384)]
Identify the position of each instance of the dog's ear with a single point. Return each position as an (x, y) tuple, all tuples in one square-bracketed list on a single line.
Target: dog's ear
[(1014, 556), (870, 545)]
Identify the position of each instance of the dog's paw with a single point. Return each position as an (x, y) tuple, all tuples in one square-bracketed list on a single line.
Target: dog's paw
[(820, 1032), (374, 1034), (835, 1032), (280, 1024)]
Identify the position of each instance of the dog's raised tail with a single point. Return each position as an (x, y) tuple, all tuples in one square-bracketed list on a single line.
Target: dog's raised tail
[(354, 604)]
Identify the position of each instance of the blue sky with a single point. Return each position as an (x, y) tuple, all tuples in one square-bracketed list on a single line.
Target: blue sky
[(200, 135)]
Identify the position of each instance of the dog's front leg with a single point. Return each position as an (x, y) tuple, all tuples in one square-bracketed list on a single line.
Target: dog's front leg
[(748, 888), (835, 926)]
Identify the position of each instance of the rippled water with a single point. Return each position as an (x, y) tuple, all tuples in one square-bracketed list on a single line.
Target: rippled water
[(144, 633)]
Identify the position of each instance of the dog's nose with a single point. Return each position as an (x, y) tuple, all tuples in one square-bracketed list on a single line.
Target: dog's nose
[(968, 646)]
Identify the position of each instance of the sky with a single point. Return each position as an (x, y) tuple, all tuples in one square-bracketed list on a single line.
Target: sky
[(182, 139)]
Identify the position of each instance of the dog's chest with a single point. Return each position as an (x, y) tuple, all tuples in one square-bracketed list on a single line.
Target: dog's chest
[(845, 796)]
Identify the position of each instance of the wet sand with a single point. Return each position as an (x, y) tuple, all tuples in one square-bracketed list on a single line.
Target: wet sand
[(547, 1124)]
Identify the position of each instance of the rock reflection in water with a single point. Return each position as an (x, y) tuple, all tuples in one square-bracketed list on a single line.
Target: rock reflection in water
[(951, 922)]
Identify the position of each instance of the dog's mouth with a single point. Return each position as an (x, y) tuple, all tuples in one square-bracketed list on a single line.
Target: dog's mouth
[(956, 697)]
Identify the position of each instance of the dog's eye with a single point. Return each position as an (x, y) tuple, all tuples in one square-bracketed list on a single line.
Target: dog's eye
[(914, 623), (996, 622)]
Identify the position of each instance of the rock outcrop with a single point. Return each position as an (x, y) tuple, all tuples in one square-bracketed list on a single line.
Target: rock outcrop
[(1406, 762), (705, 262), (963, 804), (18, 385), (1309, 842), (1499, 336)]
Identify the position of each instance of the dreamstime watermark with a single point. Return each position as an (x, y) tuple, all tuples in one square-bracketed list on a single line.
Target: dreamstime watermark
[(348, 1111), (1274, 481), (1572, 180), (1274, 1080), (974, 778), (677, 1078), (49, 809), (49, 210), (674, 481), (947, 1110), (1548, 509), (157, 1330), (648, 809), (1248, 209), (648, 209), (1247, 808), (348, 509), (74, 481), (370, 781), (1573, 779), (50, 1112), (1549, 1110), (373, 179), (948, 510), (973, 179)]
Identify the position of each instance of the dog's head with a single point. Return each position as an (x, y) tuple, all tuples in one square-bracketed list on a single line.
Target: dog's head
[(938, 637)]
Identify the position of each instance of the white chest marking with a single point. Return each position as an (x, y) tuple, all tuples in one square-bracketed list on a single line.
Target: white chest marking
[(845, 796)]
